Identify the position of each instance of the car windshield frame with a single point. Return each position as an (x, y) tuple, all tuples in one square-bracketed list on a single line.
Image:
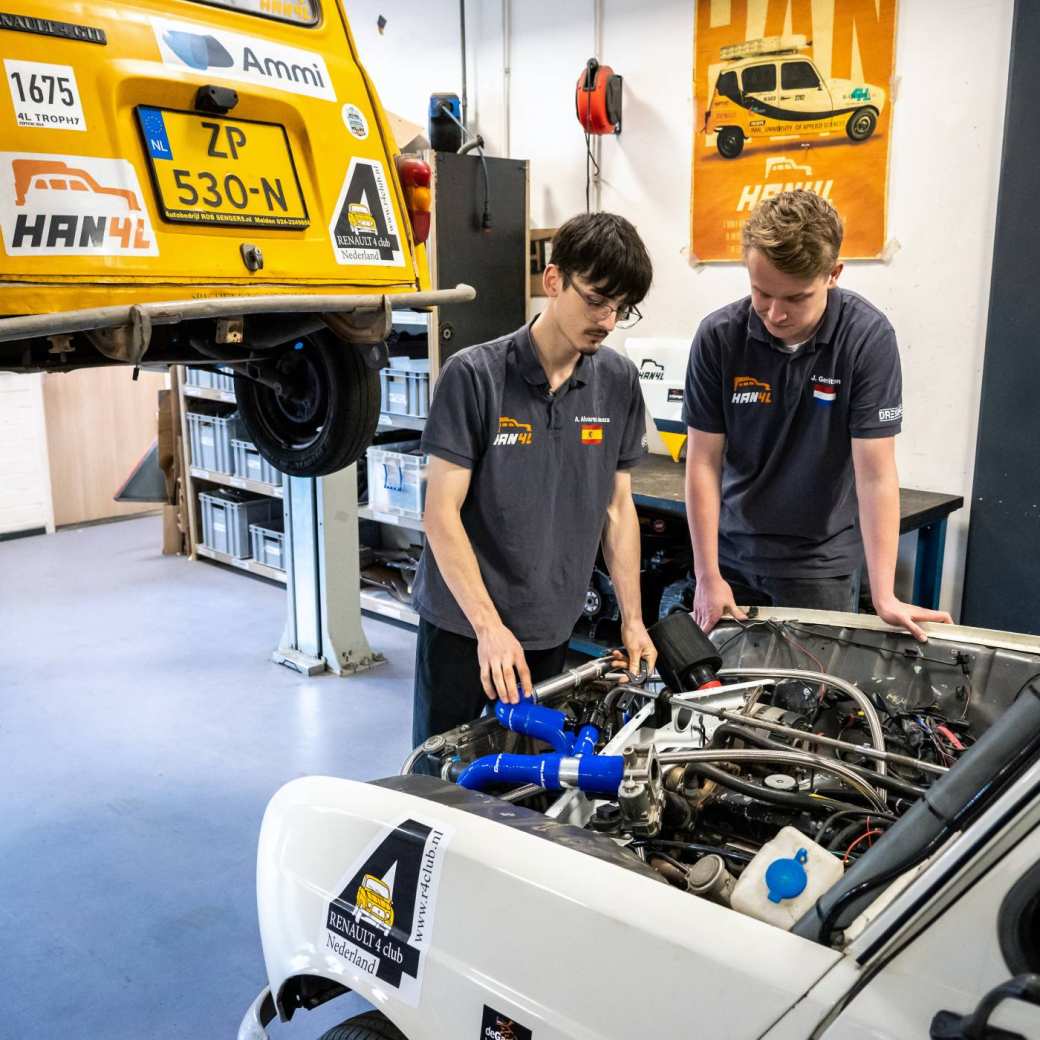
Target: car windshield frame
[(240, 7)]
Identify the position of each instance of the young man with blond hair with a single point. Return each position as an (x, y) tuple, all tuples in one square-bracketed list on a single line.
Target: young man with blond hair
[(793, 400)]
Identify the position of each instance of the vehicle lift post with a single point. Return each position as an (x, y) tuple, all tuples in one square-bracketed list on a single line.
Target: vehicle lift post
[(323, 625)]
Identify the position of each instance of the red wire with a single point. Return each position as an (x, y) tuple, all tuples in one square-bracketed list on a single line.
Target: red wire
[(864, 835), (950, 736)]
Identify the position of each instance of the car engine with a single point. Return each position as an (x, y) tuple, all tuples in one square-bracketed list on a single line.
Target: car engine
[(762, 768)]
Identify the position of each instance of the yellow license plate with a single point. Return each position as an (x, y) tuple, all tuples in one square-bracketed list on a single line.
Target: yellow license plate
[(214, 170)]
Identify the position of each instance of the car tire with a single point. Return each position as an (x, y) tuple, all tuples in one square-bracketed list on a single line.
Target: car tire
[(861, 124), (333, 417), (730, 142), (369, 1026)]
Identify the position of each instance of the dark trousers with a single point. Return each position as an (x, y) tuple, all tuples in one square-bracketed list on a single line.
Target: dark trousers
[(447, 679), (763, 590)]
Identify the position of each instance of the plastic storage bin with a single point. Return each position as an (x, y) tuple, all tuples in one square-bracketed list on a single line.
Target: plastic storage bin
[(197, 377), (211, 435), (397, 480), (405, 387), (226, 516), (268, 540), (219, 378), (251, 465)]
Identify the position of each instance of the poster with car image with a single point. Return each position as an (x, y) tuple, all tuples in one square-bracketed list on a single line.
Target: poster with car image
[(791, 94)]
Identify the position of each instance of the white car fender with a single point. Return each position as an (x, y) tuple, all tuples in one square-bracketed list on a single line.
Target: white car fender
[(512, 924)]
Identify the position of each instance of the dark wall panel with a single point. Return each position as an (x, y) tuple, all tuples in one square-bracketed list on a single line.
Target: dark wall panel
[(1002, 578)]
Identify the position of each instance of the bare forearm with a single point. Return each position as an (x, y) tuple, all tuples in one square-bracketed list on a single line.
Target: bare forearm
[(621, 551), (458, 566), (879, 523), (703, 501)]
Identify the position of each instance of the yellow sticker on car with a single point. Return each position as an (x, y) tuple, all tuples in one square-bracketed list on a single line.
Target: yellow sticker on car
[(214, 170)]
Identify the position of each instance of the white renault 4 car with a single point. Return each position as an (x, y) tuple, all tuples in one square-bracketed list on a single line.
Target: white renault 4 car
[(812, 826)]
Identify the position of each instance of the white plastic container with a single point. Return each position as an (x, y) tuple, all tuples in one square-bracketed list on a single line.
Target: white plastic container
[(769, 894)]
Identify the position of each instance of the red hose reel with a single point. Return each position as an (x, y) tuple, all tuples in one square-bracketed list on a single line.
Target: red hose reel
[(597, 99)]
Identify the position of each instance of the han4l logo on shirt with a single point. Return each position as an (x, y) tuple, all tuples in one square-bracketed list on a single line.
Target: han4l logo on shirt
[(512, 431), (62, 205), (748, 390)]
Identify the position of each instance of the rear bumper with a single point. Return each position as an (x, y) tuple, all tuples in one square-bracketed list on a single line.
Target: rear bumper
[(126, 331)]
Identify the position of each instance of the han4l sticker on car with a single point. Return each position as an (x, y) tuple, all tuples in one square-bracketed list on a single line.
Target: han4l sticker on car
[(44, 97), (72, 205), (381, 922), (247, 59), (363, 229)]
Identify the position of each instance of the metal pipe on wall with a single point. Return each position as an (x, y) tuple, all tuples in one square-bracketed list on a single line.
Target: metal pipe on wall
[(507, 72)]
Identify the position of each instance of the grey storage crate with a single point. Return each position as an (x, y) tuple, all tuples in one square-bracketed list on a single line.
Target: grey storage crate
[(269, 543), (201, 377), (251, 465), (218, 378), (223, 379), (211, 434), (405, 387), (226, 516)]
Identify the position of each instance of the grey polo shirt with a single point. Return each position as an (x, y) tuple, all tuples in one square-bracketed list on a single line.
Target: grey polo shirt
[(788, 492), (543, 473)]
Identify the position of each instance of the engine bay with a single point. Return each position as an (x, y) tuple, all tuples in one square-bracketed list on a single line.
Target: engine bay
[(760, 766)]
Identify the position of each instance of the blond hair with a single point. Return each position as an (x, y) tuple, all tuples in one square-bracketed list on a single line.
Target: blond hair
[(798, 232)]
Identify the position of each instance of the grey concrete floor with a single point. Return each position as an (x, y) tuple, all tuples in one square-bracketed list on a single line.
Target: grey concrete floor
[(142, 731)]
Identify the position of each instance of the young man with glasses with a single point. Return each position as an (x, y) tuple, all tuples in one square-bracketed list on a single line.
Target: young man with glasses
[(531, 438), (793, 401)]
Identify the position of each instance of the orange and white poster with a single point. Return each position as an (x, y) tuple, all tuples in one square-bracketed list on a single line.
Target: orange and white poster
[(791, 94)]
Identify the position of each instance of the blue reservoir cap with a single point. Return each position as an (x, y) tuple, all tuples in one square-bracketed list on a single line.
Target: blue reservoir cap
[(786, 878)]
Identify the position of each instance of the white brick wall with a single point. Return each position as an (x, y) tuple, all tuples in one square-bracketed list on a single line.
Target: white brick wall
[(25, 482)]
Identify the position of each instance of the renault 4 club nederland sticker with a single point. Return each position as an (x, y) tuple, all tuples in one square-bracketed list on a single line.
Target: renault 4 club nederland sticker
[(248, 59), (44, 96), (381, 922), (363, 230), (72, 205)]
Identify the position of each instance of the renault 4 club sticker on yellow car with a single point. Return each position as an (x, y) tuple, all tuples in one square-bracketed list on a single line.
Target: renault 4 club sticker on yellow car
[(381, 922), (72, 205), (363, 229), (771, 88)]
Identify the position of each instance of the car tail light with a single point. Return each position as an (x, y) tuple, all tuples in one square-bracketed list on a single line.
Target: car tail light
[(415, 180)]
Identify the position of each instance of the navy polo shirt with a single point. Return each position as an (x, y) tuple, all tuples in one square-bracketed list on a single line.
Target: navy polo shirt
[(788, 490), (543, 467)]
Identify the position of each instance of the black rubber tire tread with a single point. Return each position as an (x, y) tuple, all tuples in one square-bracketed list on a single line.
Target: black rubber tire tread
[(352, 413), (858, 114), (369, 1026), (730, 142)]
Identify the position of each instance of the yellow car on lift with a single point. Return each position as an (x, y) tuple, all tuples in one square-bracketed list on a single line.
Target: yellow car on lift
[(771, 88), (209, 183)]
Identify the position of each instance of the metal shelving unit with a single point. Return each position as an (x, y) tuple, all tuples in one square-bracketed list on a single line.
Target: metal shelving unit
[(251, 566), (258, 487), (375, 601)]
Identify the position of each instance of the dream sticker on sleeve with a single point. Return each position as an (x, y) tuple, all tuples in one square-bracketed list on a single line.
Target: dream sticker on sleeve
[(381, 922), (364, 230)]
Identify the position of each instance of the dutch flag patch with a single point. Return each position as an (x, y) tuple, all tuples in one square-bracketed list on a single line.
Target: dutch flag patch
[(824, 394)]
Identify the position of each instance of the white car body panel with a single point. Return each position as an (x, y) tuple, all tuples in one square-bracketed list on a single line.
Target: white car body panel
[(529, 927)]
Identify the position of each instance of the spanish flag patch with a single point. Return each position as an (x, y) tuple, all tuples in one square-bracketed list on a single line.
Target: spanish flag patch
[(591, 433)]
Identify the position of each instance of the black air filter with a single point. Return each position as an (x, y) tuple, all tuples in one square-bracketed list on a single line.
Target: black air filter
[(687, 658)]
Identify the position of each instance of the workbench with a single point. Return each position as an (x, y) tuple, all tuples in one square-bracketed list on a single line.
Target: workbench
[(658, 486)]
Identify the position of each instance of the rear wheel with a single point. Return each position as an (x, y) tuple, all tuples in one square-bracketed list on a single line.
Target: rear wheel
[(861, 124), (324, 413), (730, 142), (369, 1026)]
